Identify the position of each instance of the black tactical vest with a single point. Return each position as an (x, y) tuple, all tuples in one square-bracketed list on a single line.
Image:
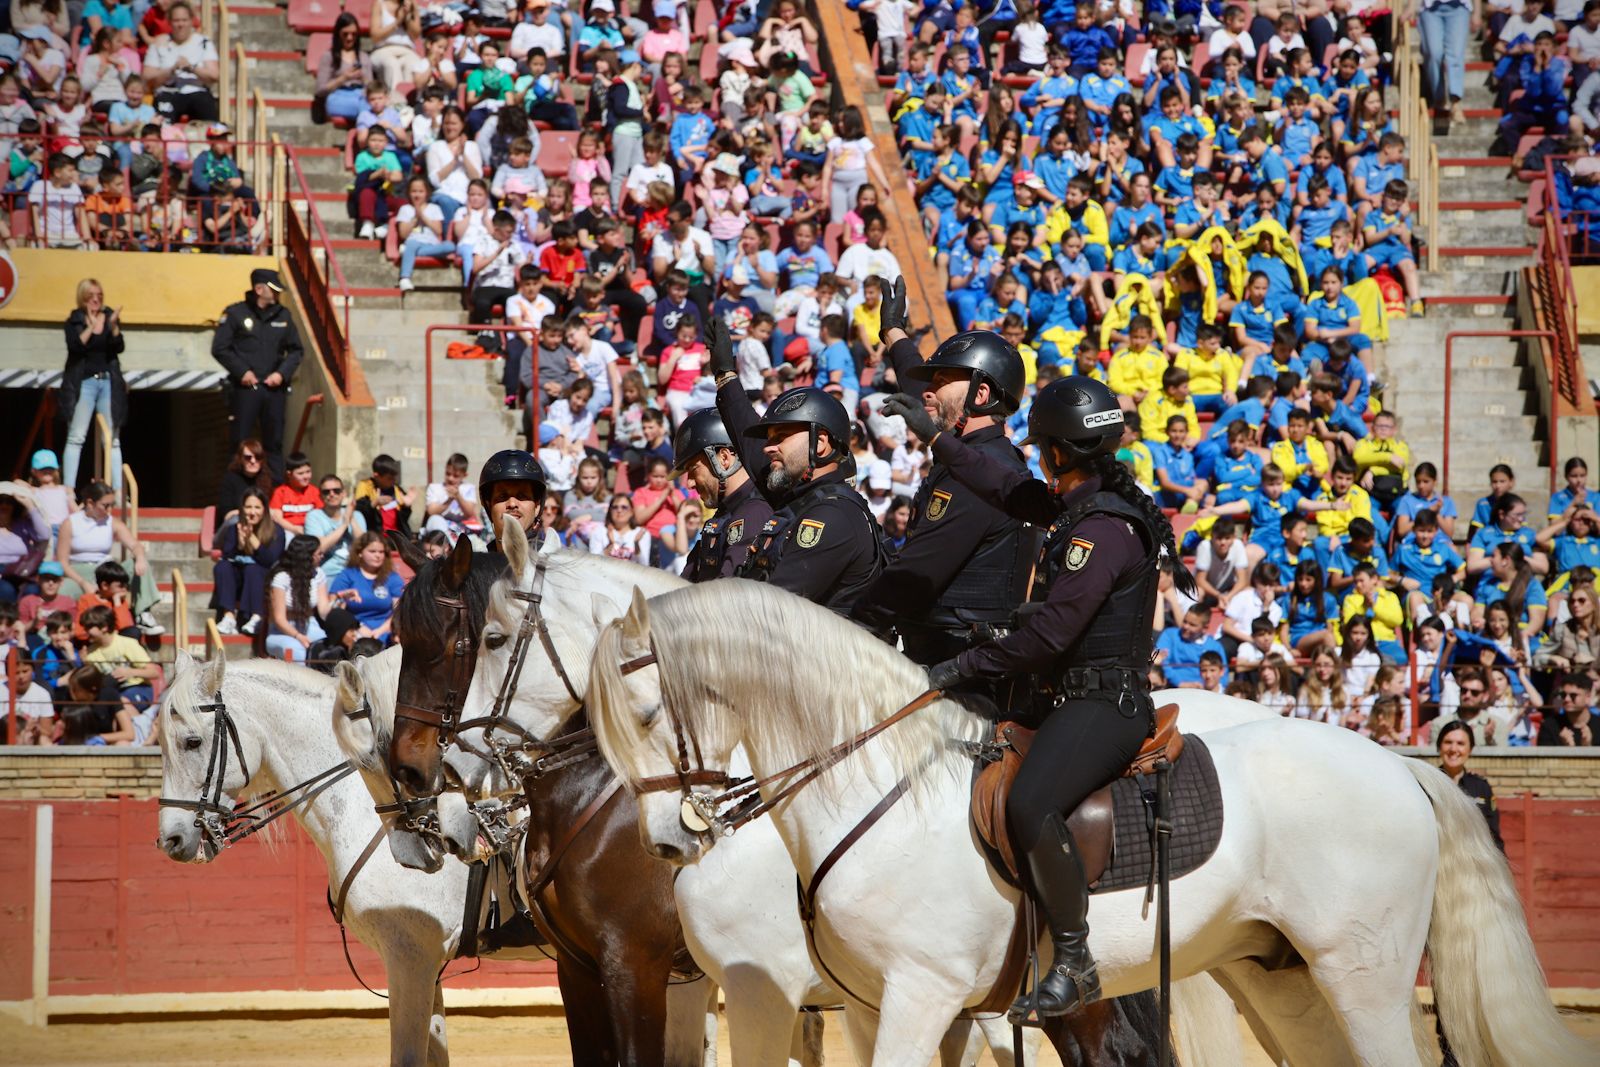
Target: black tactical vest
[(779, 530), (994, 580), (1112, 655)]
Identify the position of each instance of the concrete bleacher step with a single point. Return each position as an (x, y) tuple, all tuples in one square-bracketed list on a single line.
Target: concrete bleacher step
[(1470, 280), (1470, 306)]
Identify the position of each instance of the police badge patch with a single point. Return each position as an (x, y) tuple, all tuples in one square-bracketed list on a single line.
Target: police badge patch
[(809, 533), (938, 504), (735, 531), (1078, 553)]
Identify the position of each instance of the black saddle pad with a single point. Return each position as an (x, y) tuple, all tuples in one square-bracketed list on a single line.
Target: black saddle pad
[(1194, 806)]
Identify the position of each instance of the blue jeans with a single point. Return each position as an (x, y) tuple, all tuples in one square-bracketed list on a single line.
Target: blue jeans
[(449, 205), (346, 103), (412, 249), (94, 395), (1443, 28), (279, 643)]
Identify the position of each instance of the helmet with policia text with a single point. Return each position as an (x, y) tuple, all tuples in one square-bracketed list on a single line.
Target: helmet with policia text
[(814, 408), (990, 359), (511, 465), (702, 434), (1077, 414)]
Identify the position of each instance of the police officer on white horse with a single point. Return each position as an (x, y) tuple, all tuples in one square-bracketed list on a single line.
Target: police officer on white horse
[(964, 569), (1084, 647), (706, 454)]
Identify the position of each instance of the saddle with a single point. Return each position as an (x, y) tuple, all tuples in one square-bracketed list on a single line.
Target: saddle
[(1092, 824)]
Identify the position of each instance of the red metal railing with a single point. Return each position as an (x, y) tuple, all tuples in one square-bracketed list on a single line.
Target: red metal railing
[(427, 374), (312, 402), (330, 325), (1449, 357), (1555, 270)]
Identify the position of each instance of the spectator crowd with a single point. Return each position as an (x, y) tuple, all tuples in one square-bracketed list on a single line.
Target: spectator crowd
[(1203, 204)]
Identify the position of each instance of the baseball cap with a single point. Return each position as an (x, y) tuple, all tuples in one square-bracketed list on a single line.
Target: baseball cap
[(603, 5), (217, 129), (268, 278), (665, 9), (879, 477), (627, 57), (34, 33), (51, 568), (44, 460)]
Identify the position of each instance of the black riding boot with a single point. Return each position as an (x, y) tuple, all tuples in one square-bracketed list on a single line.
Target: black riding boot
[(1062, 892)]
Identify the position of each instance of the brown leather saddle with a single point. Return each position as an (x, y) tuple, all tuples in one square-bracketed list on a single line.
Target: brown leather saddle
[(1092, 823), (1093, 827)]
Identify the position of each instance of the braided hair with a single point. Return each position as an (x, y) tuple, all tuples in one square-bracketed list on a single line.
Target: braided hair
[(1115, 477)]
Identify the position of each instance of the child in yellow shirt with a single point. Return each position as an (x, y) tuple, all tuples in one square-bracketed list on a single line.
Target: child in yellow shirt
[(1136, 371)]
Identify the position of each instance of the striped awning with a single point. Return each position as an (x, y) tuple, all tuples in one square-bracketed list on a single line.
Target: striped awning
[(160, 380)]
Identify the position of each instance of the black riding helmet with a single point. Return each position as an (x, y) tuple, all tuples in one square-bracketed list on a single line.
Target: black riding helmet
[(991, 359), (511, 465), (703, 434), (815, 409), (1079, 415)]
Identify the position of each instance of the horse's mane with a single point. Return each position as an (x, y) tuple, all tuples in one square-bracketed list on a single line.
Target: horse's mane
[(802, 678), (415, 611), (380, 675), (573, 564)]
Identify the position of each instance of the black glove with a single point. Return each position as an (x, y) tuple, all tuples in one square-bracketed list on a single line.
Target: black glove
[(910, 408), (722, 361), (892, 316), (946, 675)]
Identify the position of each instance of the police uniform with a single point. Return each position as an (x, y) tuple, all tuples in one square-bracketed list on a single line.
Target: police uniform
[(264, 340), (821, 541), (1477, 787), (965, 565), (726, 537)]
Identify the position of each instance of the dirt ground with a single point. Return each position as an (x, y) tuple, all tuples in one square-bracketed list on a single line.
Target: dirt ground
[(522, 1040)]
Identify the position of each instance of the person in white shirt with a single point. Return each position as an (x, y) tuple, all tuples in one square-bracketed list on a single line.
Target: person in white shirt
[(861, 261), (56, 205), (35, 712), (540, 31), (182, 68), (1263, 642), (685, 247), (1583, 42), (891, 16), (1248, 606), (653, 169), (1233, 33), (452, 505)]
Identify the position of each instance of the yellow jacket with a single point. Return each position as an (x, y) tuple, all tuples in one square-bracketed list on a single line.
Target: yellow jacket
[(1282, 247), (1387, 615), (1134, 297), (1337, 523), (1132, 373), (1156, 409), (1092, 224), (1284, 458), (1210, 377)]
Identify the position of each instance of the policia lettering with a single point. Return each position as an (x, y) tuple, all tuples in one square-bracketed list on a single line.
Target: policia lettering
[(1083, 645)]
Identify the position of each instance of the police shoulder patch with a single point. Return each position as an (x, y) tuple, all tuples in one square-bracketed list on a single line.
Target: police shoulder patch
[(809, 533), (938, 504), (1078, 551), (735, 531)]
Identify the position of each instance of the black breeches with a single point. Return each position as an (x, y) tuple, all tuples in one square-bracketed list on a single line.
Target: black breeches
[(1083, 745)]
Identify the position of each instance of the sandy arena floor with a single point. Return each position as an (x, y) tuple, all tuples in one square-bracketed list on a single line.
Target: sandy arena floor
[(524, 1040)]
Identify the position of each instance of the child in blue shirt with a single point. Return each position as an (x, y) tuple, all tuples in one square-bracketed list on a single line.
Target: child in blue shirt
[(1332, 316), (962, 86), (1351, 372), (1388, 233), (835, 365), (1314, 220), (1178, 649), (1086, 42), (1043, 99), (1322, 166), (1175, 184), (1180, 486), (1173, 122), (1298, 133), (1254, 317), (692, 128), (1421, 557), (1100, 89), (1235, 474)]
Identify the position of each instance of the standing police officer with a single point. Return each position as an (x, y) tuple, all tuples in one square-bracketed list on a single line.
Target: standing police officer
[(821, 542), (257, 344), (964, 570), (706, 454), (1086, 644)]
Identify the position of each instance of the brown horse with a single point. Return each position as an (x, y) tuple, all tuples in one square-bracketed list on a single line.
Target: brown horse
[(603, 904), (608, 908)]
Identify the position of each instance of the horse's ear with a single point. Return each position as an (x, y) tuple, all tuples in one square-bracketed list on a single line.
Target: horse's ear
[(458, 564), (182, 662), (212, 673), (606, 611), (352, 686), (514, 543), (409, 550), (636, 623)]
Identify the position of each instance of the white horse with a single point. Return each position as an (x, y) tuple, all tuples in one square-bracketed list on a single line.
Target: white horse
[(280, 713), (1331, 853), (737, 907)]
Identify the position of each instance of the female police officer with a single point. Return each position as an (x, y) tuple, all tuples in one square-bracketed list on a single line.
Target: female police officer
[(1086, 643)]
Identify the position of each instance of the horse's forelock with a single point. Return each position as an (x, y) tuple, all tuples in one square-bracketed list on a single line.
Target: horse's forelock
[(416, 612)]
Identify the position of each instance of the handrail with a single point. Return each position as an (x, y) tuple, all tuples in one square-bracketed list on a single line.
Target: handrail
[(1449, 358), (102, 428), (241, 90), (1416, 126), (214, 646), (225, 63), (305, 416), (12, 654), (180, 609), (314, 288), (427, 377), (130, 501), (1555, 255)]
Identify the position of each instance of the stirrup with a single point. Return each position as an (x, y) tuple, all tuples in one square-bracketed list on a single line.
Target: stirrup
[(1085, 987)]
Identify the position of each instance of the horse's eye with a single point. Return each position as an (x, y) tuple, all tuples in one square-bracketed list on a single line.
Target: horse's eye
[(649, 716), (192, 744), (494, 641)]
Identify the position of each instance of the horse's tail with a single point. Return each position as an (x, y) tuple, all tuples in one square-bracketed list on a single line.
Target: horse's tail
[(1205, 1023), (1487, 983)]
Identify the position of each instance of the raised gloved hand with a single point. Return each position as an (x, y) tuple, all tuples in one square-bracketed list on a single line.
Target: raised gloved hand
[(722, 360), (893, 315), (946, 675), (910, 408)]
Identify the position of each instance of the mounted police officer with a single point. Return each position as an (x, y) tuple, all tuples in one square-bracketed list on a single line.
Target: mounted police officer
[(512, 483), (821, 542), (707, 455), (964, 571), (1085, 643)]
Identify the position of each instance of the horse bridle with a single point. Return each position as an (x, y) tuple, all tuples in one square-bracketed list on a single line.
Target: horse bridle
[(218, 819), (442, 717)]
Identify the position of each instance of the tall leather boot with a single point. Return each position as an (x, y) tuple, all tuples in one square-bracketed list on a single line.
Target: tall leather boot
[(1062, 892)]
